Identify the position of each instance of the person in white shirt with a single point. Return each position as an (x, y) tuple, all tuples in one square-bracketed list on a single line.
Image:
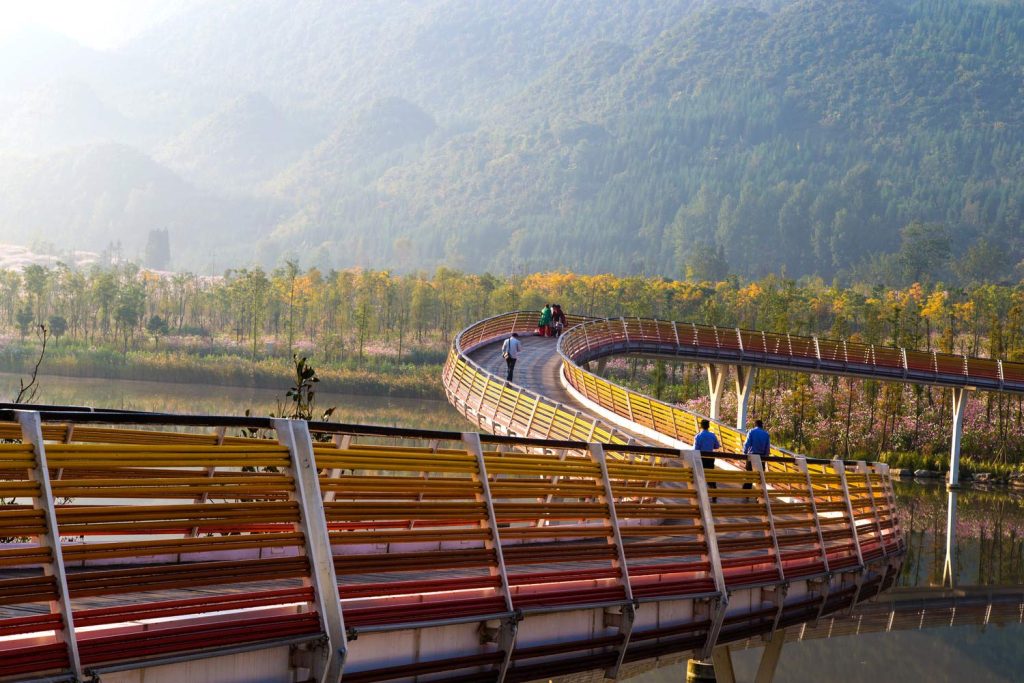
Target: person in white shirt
[(510, 349)]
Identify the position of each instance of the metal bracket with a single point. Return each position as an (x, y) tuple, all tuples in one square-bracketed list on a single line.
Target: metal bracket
[(32, 433), (294, 435)]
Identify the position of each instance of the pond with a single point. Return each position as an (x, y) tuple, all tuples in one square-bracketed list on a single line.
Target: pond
[(220, 400)]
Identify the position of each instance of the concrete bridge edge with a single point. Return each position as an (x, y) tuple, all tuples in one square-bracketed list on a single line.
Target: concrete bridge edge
[(613, 418)]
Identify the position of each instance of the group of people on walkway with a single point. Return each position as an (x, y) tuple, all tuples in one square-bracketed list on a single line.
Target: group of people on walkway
[(550, 324), (552, 321)]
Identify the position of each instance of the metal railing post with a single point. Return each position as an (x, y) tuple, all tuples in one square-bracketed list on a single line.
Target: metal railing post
[(758, 466), (607, 496), (32, 433), (839, 467), (294, 435), (801, 463), (862, 468), (342, 442), (471, 440), (692, 459), (529, 420), (882, 470)]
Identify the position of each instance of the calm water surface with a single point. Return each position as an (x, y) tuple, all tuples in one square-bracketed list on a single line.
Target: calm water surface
[(219, 400), (989, 542)]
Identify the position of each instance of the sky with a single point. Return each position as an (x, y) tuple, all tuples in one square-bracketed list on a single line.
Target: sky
[(101, 24)]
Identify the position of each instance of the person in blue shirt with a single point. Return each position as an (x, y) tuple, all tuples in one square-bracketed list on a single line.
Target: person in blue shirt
[(705, 439), (757, 442), (706, 442)]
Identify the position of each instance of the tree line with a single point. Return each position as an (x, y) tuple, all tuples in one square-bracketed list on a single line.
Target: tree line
[(357, 317), (350, 310)]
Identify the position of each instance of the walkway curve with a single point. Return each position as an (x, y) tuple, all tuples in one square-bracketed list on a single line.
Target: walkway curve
[(555, 397), (617, 414)]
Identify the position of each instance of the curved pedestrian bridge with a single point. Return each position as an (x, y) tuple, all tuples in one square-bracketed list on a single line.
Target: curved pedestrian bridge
[(555, 394), (147, 546)]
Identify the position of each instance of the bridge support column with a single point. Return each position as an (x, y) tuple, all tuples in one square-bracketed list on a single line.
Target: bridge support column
[(949, 565), (744, 383), (960, 395), (716, 382), (700, 671), (770, 657)]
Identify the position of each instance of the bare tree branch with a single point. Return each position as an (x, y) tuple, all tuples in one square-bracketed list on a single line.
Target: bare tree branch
[(27, 392)]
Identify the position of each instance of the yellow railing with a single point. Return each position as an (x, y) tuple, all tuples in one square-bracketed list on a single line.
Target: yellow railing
[(598, 338), (158, 544), (499, 406)]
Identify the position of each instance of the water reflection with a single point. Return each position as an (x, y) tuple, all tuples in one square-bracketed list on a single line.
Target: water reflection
[(957, 612), (948, 572), (220, 400)]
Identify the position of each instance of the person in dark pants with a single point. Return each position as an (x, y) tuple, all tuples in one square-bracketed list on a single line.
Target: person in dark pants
[(758, 443), (510, 349), (557, 320), (707, 442)]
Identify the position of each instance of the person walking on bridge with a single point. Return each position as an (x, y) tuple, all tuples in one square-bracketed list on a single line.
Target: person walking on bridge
[(707, 442), (557, 320), (758, 443), (544, 324), (510, 349)]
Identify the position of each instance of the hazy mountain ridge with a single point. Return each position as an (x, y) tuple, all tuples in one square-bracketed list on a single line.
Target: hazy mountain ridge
[(95, 195), (564, 134), (237, 147)]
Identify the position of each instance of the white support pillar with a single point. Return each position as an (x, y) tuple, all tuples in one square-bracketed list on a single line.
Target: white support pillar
[(716, 382), (744, 384), (294, 435), (959, 403), (32, 433), (949, 565)]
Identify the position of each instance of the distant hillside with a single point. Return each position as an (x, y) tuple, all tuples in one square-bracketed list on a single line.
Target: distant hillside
[(94, 196), (875, 138), (238, 146)]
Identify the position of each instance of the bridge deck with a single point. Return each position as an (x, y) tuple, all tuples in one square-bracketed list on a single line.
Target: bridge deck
[(539, 370)]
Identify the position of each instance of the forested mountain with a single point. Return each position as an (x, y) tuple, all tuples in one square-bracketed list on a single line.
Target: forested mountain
[(881, 139)]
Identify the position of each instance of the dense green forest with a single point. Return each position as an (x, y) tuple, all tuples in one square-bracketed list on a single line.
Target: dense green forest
[(871, 140)]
